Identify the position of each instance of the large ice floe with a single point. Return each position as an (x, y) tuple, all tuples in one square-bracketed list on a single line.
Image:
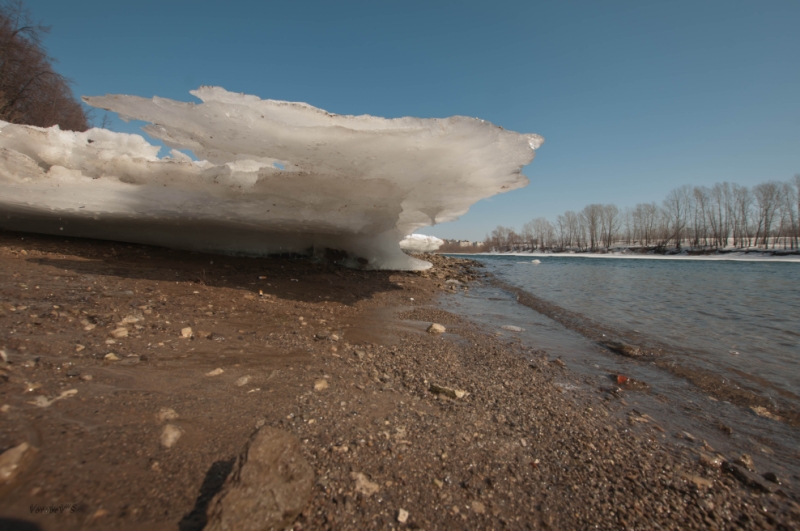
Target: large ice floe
[(272, 177)]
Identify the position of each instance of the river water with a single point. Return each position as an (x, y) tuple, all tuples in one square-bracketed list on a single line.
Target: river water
[(717, 342)]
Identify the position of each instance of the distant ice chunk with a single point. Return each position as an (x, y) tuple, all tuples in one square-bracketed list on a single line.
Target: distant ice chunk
[(272, 176), (419, 243)]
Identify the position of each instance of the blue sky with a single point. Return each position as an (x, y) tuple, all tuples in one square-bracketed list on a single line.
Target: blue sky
[(633, 98)]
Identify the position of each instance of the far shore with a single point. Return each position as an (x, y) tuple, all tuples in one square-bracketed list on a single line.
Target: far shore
[(736, 256)]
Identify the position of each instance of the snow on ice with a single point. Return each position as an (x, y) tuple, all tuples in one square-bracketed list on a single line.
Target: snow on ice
[(273, 176), (419, 243)]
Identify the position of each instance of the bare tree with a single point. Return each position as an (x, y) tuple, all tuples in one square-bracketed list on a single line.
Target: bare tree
[(610, 222), (767, 201), (527, 234), (700, 216), (788, 216), (676, 207), (31, 92), (591, 217), (742, 203)]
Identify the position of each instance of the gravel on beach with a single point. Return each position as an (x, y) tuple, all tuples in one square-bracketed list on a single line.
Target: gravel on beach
[(141, 388)]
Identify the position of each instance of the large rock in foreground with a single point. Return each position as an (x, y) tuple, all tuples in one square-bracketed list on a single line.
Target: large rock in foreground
[(268, 487)]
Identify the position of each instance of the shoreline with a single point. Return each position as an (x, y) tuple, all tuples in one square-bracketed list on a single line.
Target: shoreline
[(524, 448), (733, 256)]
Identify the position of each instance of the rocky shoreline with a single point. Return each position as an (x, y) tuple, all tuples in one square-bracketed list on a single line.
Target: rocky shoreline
[(134, 377)]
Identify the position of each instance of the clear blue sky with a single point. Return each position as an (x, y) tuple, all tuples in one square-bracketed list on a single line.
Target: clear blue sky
[(633, 98)]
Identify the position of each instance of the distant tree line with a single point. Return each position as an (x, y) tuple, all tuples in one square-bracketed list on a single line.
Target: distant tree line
[(766, 216), (31, 92)]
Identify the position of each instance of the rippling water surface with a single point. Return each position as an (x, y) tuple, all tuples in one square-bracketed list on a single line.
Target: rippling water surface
[(740, 317)]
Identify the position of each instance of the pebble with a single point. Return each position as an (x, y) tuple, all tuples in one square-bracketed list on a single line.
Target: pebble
[(320, 384), (242, 381), (436, 328), (78, 348), (764, 412), (402, 516), (711, 461), (186, 333), (447, 391), (111, 357), (119, 333), (170, 435), (363, 485), (215, 372), (165, 413), (745, 461), (478, 507), (697, 480)]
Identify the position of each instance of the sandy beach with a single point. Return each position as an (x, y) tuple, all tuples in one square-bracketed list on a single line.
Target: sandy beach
[(135, 376)]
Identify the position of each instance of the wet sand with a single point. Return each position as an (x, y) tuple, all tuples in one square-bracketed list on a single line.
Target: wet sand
[(523, 449)]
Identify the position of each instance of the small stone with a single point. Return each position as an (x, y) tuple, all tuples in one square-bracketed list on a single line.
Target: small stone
[(12, 461), (119, 333), (402, 516), (242, 381), (711, 461), (78, 348), (745, 461), (764, 412), (215, 372), (89, 327), (447, 391), (438, 482), (771, 477), (697, 480), (363, 485), (130, 319), (170, 435), (86, 377), (436, 328), (111, 357), (186, 333), (334, 337), (165, 413), (99, 513), (478, 507), (320, 384)]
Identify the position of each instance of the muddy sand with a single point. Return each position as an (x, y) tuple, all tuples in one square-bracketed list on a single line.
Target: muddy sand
[(135, 376)]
